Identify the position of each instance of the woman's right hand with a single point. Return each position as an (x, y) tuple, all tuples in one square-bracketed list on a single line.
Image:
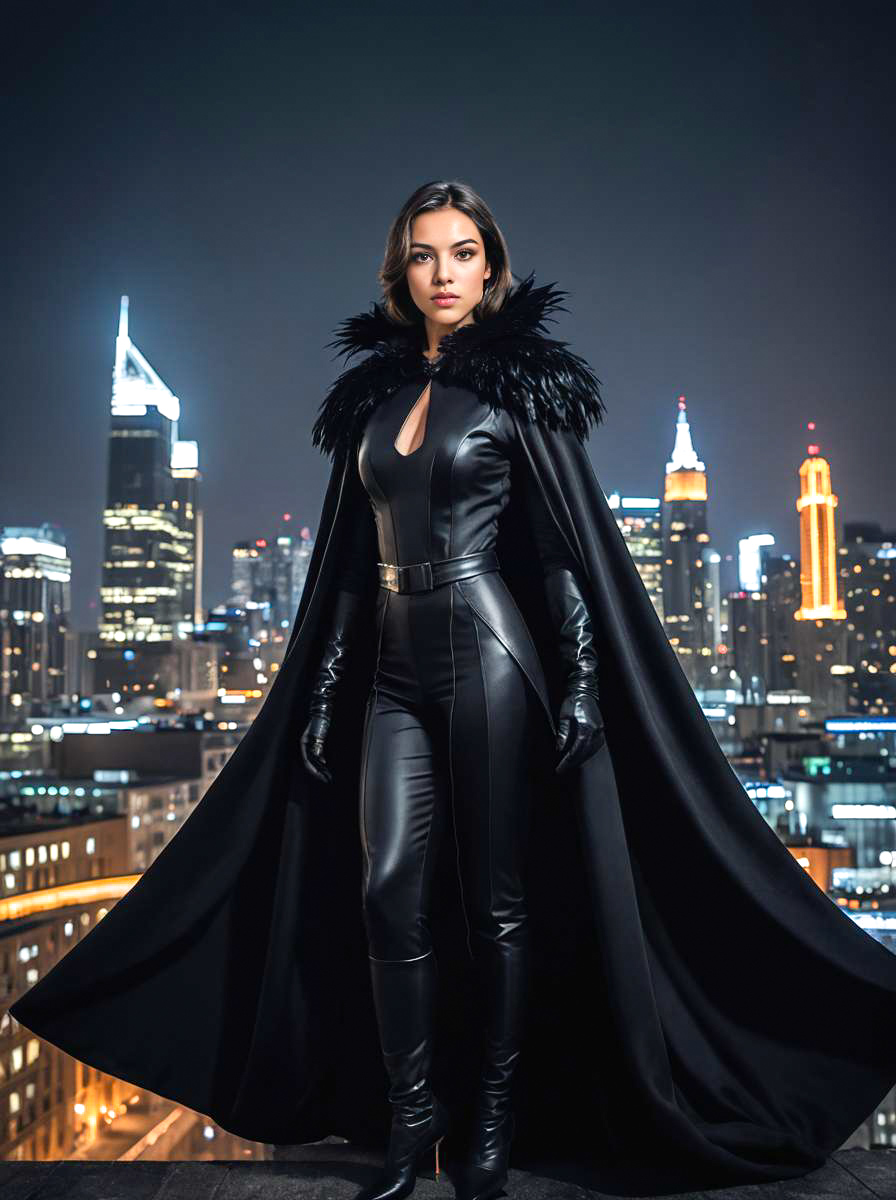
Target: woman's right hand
[(312, 745), (348, 612)]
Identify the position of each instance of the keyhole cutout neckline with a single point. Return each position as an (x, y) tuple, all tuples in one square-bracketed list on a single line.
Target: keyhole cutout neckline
[(422, 422)]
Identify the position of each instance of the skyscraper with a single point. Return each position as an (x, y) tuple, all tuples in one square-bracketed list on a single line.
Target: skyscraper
[(35, 601), (639, 519), (185, 476), (780, 583), (818, 539), (149, 566), (868, 569), (268, 575), (685, 543), (821, 618)]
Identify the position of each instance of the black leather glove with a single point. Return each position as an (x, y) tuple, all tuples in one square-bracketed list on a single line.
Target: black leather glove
[(347, 611), (580, 726)]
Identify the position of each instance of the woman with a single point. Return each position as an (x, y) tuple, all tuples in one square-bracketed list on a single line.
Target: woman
[(451, 712), (697, 1011)]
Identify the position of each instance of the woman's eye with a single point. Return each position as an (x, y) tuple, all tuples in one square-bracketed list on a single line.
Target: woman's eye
[(419, 255)]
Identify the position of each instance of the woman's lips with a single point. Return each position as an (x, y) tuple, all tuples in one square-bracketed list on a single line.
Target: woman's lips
[(444, 301)]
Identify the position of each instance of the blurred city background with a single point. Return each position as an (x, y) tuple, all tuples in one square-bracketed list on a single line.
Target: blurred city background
[(199, 194)]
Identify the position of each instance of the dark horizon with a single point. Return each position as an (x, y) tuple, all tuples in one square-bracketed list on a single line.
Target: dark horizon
[(711, 188)]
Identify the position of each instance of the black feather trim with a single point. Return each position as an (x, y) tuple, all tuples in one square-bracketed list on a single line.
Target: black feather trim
[(506, 359)]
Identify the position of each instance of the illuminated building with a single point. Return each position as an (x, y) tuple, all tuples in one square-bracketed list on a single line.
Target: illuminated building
[(820, 627), (35, 602), (247, 561), (267, 578), (818, 540), (748, 641), (185, 479), (72, 845), (749, 560), (781, 585), (292, 556), (867, 567), (715, 605), (685, 546), (639, 520), (58, 878), (148, 588)]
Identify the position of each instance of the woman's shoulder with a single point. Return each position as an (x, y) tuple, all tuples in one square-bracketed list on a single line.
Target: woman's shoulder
[(507, 359), (536, 379)]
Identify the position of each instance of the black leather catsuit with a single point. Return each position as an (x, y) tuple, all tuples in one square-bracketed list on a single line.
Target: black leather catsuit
[(457, 684), (457, 677)]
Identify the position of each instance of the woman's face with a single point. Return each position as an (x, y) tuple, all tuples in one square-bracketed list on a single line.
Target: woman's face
[(447, 255)]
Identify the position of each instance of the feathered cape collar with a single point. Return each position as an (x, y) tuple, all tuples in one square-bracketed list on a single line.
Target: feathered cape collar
[(506, 359)]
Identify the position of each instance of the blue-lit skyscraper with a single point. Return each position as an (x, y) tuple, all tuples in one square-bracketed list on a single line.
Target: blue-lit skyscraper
[(148, 588)]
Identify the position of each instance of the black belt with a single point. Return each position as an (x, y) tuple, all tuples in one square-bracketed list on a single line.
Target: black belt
[(424, 576)]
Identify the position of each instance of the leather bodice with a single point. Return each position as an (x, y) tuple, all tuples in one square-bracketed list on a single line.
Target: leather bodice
[(444, 498)]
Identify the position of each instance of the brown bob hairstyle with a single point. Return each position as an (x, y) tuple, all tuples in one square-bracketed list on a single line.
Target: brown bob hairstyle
[(397, 300)]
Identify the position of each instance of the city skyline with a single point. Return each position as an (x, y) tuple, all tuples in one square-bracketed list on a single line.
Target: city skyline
[(683, 454), (199, 201), (713, 194)]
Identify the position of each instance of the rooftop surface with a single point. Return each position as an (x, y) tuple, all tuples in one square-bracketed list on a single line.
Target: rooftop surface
[(333, 1171)]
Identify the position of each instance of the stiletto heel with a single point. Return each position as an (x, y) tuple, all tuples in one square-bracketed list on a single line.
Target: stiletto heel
[(407, 1146)]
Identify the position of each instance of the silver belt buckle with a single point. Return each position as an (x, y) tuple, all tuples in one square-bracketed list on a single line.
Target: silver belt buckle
[(401, 579), (388, 575)]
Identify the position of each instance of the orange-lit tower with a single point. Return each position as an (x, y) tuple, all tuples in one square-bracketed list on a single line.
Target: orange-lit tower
[(818, 540), (685, 473), (685, 544)]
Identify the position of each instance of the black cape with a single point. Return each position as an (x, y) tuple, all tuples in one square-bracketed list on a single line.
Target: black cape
[(701, 1012)]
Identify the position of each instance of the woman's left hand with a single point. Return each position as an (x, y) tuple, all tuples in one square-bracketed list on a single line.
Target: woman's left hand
[(580, 729)]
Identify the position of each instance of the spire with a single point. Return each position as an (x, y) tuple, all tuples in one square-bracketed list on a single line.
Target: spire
[(135, 385), (122, 341), (685, 473), (684, 456)]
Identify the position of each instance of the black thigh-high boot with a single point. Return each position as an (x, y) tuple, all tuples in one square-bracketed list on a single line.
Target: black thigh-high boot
[(404, 996), (503, 968)]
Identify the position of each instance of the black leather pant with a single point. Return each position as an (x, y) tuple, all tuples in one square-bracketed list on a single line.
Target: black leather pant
[(446, 734)]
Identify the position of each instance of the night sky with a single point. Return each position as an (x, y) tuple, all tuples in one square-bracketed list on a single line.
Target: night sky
[(712, 184)]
